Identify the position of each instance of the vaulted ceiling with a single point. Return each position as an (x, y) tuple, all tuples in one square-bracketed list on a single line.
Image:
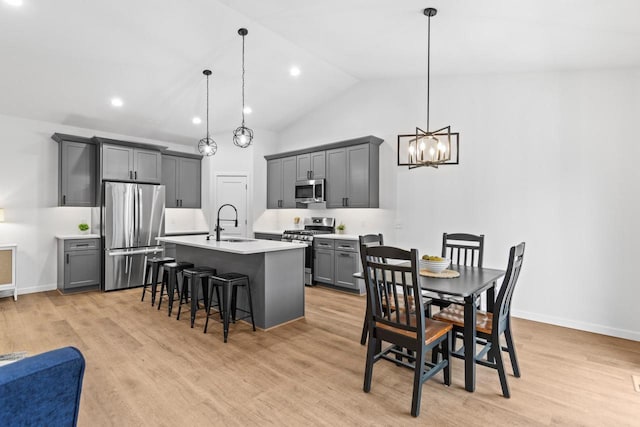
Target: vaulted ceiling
[(63, 60)]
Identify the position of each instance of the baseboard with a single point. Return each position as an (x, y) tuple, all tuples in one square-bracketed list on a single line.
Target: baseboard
[(37, 288), (583, 326)]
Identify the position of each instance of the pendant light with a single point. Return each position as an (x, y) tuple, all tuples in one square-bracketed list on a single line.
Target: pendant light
[(207, 146), (426, 147), (242, 136)]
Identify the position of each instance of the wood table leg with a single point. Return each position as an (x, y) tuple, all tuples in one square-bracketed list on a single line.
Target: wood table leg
[(470, 343), (491, 297)]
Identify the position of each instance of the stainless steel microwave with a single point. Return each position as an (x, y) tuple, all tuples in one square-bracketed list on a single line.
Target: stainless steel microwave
[(311, 191)]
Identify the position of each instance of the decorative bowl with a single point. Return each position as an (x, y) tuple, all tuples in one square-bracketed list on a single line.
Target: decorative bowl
[(435, 266)]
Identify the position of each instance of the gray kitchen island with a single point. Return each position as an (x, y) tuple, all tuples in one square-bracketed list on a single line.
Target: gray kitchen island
[(275, 269)]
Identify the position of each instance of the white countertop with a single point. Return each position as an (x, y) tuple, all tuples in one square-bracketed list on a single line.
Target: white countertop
[(77, 236), (338, 236), (246, 247)]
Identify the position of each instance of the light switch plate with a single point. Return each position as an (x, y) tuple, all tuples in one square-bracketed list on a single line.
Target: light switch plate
[(636, 382)]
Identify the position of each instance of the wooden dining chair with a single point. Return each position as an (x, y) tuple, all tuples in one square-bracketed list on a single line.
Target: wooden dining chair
[(461, 249), (491, 325), (368, 240), (410, 333)]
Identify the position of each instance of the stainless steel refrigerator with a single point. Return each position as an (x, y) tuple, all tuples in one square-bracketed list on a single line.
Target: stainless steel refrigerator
[(132, 218)]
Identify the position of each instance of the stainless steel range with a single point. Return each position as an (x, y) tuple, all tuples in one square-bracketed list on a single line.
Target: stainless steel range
[(312, 227)]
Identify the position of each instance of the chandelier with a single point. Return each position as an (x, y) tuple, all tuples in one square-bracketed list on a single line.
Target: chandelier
[(427, 147)]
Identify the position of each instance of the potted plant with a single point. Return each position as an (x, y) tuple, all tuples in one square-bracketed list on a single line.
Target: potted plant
[(83, 227), (340, 228)]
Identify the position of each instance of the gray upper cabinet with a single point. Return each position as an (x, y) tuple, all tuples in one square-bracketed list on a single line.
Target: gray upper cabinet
[(311, 166), (117, 162), (77, 171), (147, 165), (274, 183), (289, 182), (350, 169), (352, 177), (170, 181), (336, 185), (182, 177), (123, 163), (281, 179)]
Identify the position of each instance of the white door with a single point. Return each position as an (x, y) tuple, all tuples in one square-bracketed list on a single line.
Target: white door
[(231, 189)]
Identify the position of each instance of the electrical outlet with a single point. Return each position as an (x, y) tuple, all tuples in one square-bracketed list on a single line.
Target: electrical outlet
[(636, 382)]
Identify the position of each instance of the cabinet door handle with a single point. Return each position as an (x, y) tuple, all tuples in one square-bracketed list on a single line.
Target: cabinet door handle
[(343, 254), (177, 203), (180, 202), (64, 199), (81, 244), (346, 201), (130, 175), (135, 175), (67, 258)]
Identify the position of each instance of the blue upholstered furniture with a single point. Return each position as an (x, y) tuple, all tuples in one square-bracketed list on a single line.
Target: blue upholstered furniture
[(42, 390)]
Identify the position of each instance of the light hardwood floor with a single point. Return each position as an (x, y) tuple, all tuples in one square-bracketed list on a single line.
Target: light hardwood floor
[(144, 368)]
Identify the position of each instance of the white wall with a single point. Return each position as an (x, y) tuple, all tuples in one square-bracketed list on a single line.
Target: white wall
[(29, 195), (230, 159), (546, 158)]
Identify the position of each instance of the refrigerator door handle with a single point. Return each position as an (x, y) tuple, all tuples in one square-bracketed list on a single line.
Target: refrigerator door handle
[(149, 250), (139, 205)]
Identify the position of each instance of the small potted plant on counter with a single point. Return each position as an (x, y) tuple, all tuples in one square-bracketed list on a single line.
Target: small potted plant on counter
[(340, 228), (83, 227)]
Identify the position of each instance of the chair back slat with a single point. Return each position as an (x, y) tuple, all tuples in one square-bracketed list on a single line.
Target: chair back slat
[(463, 248), (393, 288), (503, 301)]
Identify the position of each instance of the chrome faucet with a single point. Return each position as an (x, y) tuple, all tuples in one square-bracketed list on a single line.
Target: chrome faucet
[(218, 229)]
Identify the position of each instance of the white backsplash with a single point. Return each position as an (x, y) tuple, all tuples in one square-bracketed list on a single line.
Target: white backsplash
[(356, 221), (185, 220)]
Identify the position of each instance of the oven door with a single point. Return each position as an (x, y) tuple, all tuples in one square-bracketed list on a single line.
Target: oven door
[(308, 261)]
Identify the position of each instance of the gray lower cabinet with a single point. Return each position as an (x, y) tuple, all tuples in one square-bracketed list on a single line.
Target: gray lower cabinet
[(324, 266), (281, 180), (335, 263), (311, 166), (78, 265), (122, 163), (352, 177), (268, 236), (181, 177), (77, 171)]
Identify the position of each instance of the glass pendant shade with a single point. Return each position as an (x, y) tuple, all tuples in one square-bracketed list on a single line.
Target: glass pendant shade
[(242, 137), (207, 146)]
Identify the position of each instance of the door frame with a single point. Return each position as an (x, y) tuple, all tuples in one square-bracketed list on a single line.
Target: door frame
[(248, 202)]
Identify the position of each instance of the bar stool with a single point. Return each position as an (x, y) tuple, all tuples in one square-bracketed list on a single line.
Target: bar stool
[(153, 267), (229, 282), (170, 273), (190, 278)]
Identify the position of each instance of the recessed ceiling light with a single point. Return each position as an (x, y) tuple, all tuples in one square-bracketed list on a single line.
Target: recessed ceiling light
[(117, 102), (294, 71), (15, 3), (247, 110), (196, 120)]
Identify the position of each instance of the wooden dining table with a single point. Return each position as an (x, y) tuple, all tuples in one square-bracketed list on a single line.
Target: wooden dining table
[(471, 283)]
